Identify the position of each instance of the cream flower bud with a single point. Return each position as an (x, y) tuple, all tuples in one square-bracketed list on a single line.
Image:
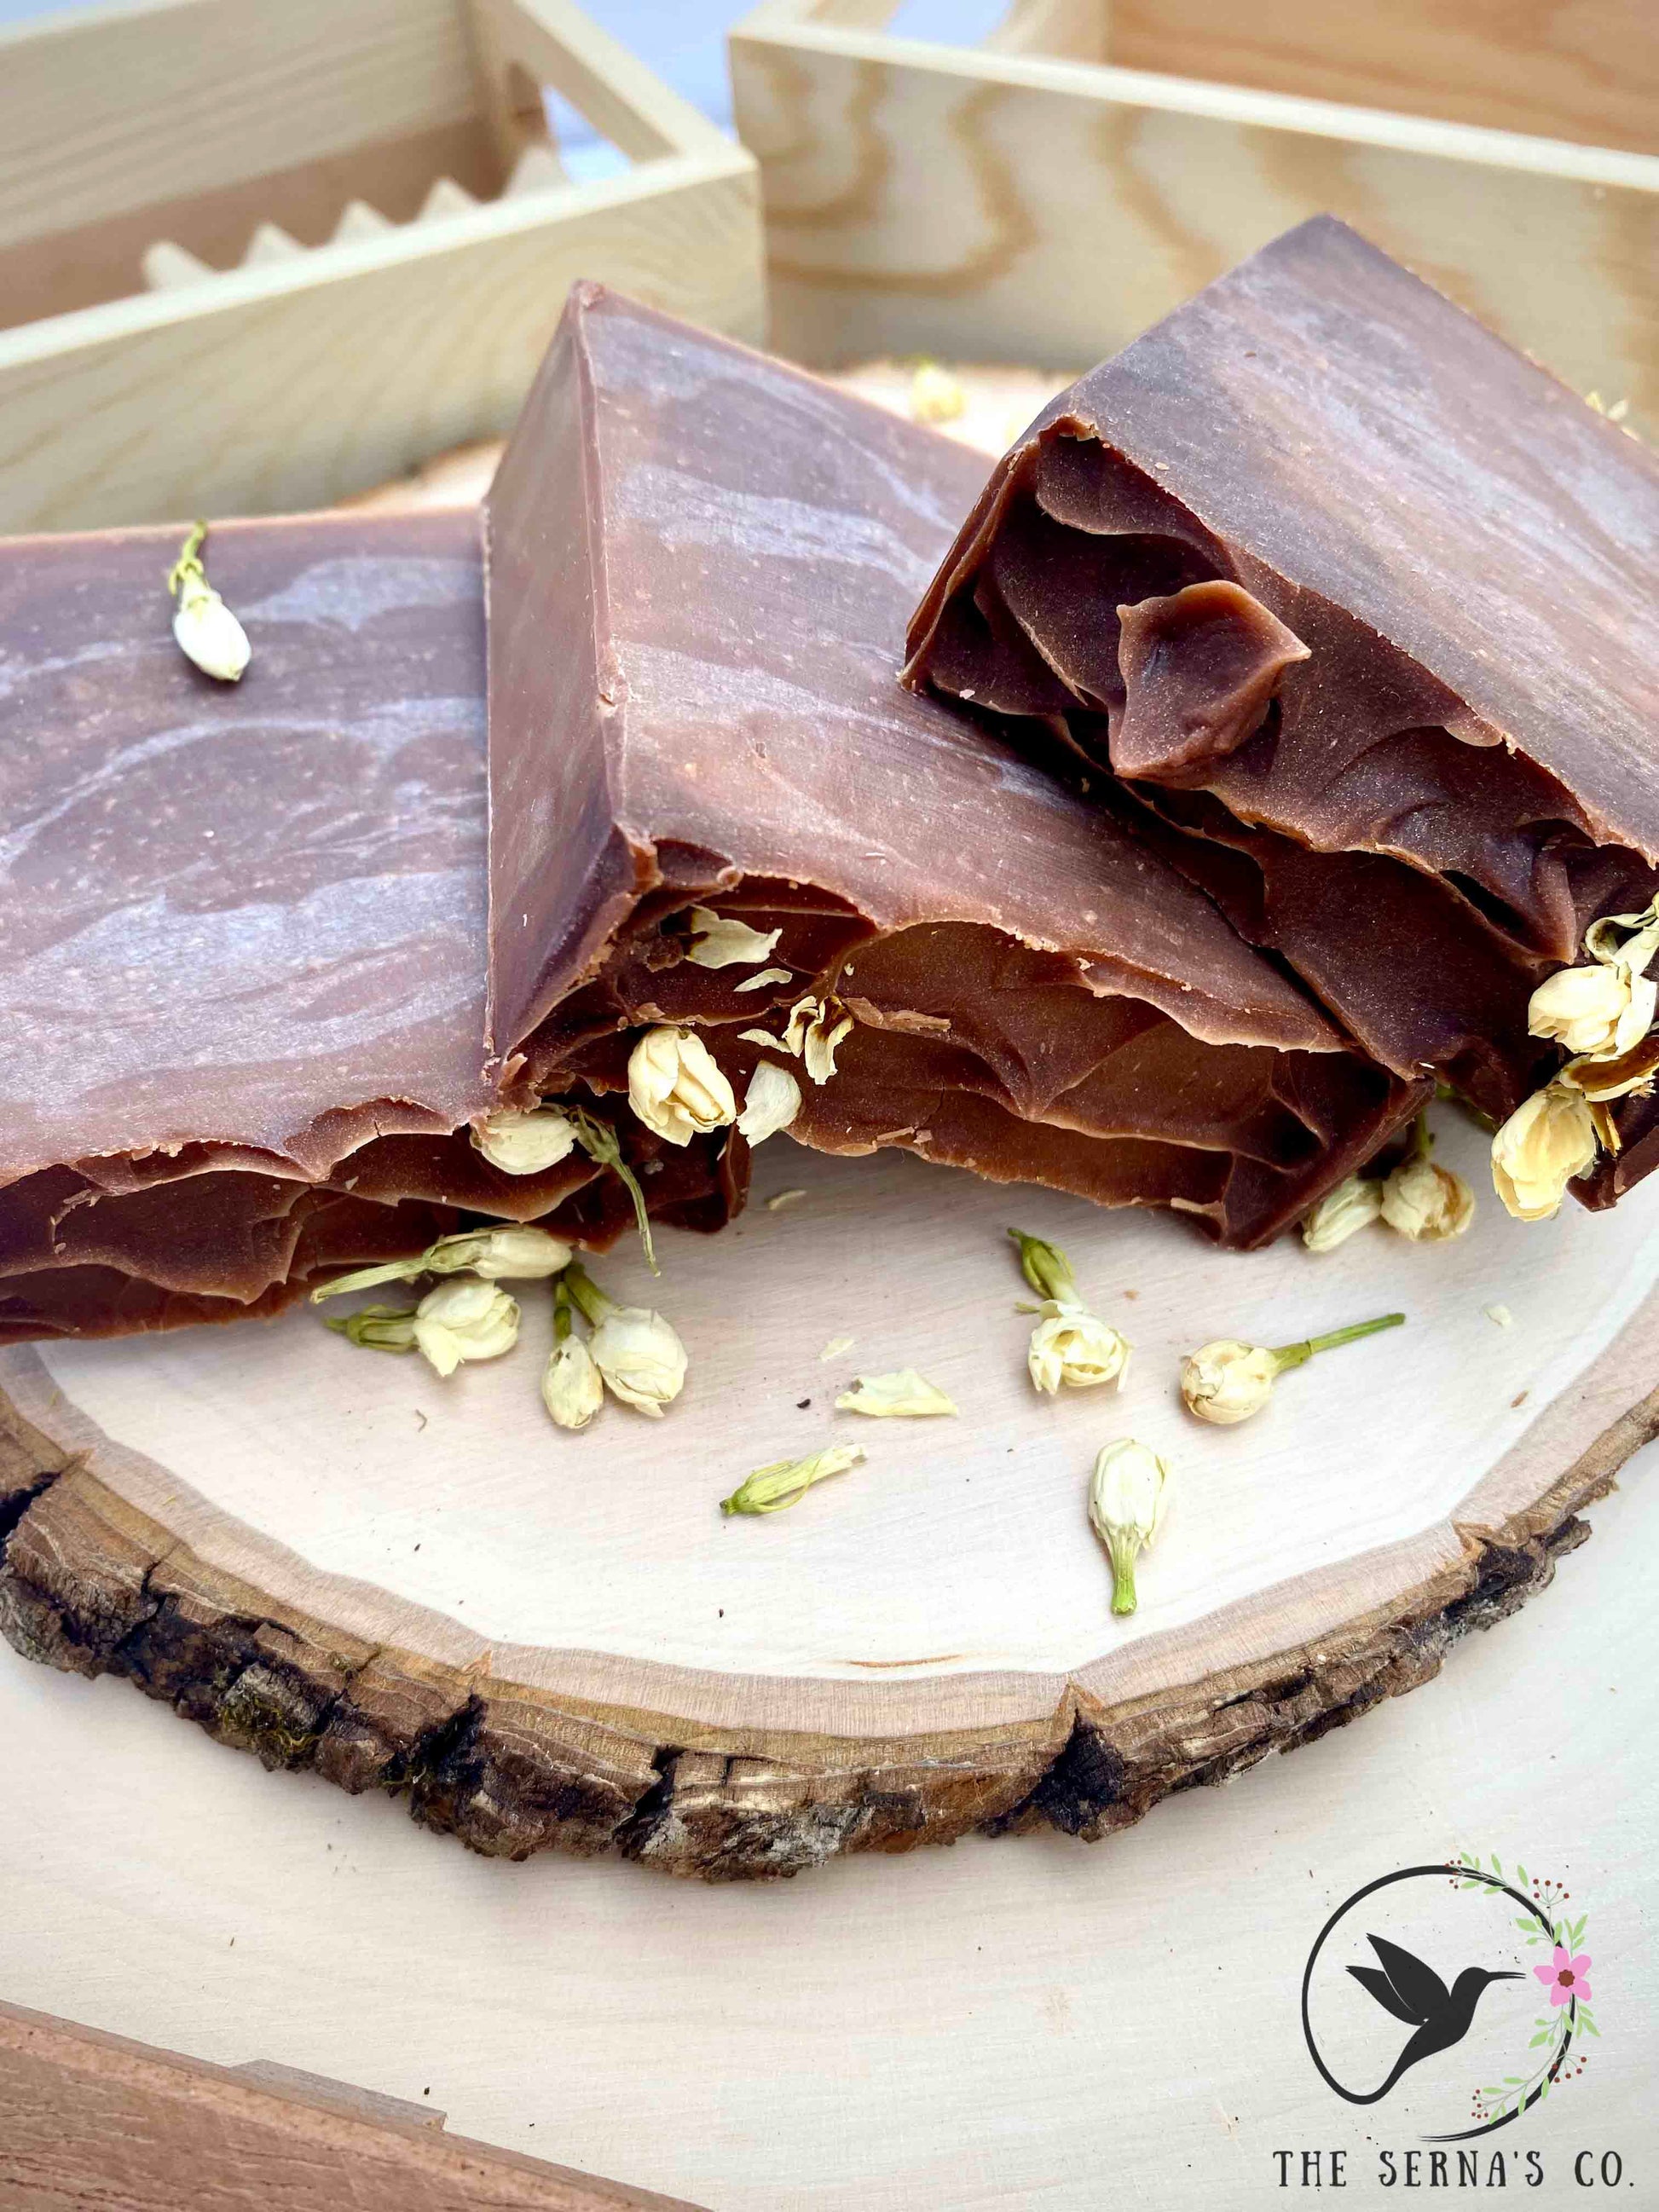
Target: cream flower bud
[(573, 1389), (675, 1087), (719, 941), (207, 631), (772, 1103), (904, 1396), (1425, 1202), (465, 1319), (525, 1143), (1548, 1140), (513, 1252), (1072, 1346), (211, 636), (786, 1481), (1046, 1270), (1353, 1205), (641, 1358), (378, 1328), (1225, 1380), (1581, 1008), (1127, 1495)]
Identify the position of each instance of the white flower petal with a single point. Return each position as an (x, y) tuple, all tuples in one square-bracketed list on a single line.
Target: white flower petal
[(904, 1395), (718, 940), (772, 1103)]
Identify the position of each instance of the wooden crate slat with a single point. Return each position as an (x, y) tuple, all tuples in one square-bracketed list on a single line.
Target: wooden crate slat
[(1006, 207)]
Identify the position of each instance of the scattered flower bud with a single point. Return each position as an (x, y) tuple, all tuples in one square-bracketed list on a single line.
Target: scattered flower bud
[(905, 1395), (1425, 1202), (207, 631), (1548, 1140), (463, 1319), (1354, 1204), (1582, 1008), (935, 396), (1073, 1347), (510, 1252), (772, 1103), (1127, 1495), (1226, 1381), (719, 941), (637, 1352), (787, 1481), (675, 1087), (378, 1328), (573, 1389), (1046, 1270), (520, 1144)]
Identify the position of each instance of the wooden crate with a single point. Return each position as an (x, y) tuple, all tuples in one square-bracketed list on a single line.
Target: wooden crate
[(255, 257), (1029, 201)]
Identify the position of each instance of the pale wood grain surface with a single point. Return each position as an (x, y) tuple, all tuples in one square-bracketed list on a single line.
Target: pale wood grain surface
[(983, 204), (1555, 68), (973, 2030)]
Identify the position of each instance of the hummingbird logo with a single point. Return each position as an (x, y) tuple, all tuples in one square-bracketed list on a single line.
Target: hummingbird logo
[(1451, 1908), (1414, 1993)]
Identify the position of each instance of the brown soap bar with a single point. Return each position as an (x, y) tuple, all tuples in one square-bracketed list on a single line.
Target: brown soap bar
[(698, 561), (1333, 577), (242, 956)]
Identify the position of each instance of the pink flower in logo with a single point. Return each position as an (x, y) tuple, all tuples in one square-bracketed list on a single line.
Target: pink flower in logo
[(1565, 1977)]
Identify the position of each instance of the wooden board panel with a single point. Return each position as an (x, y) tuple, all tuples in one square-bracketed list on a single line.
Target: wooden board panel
[(293, 386), (1554, 68), (110, 107), (88, 2119), (331, 1560), (999, 206)]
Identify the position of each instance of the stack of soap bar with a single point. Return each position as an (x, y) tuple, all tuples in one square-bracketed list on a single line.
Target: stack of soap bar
[(242, 954), (1353, 613), (697, 564)]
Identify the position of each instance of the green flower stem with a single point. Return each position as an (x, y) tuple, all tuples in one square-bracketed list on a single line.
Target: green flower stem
[(187, 569), (1046, 1270), (1293, 1355), (599, 1141), (378, 1328), (1122, 1551), (365, 1278), (563, 1306), (588, 1295)]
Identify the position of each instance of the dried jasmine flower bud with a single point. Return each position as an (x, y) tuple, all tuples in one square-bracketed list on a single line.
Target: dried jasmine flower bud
[(786, 1481), (510, 1252), (1072, 1347), (904, 1396), (719, 941), (1353, 1205), (1226, 1381), (772, 1103), (935, 396), (207, 631), (1127, 1495), (573, 1389), (636, 1352), (377, 1328), (1585, 1008), (1425, 1202), (520, 1144), (1548, 1140), (464, 1320), (675, 1087)]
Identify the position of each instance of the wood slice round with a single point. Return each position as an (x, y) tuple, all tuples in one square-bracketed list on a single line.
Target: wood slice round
[(336, 1560)]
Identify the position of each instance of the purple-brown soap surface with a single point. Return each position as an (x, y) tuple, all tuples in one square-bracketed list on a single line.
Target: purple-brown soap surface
[(1363, 607), (724, 550)]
